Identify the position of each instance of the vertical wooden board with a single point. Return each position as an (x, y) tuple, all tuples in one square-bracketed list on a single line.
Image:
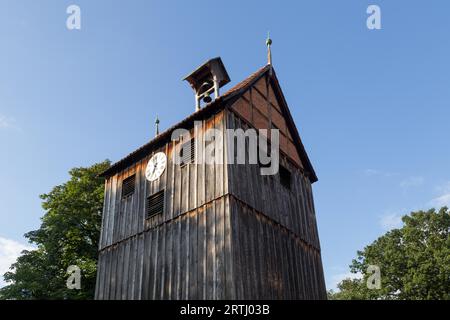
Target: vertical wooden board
[(153, 264), (183, 269), (293, 267), (230, 288), (127, 218), (200, 166), (298, 249), (112, 283), (249, 252), (202, 215), (271, 275), (257, 183), (189, 192), (219, 274), (262, 258), (308, 212), (126, 265), (118, 211), (224, 152), (210, 253), (252, 178), (97, 279), (119, 271), (160, 273), (256, 258), (192, 184), (246, 251), (105, 213), (140, 267), (272, 210), (193, 257), (142, 195), (289, 288), (99, 284), (136, 199), (175, 275), (294, 211), (306, 271), (238, 267), (184, 188), (311, 273), (177, 196), (131, 268), (218, 148), (146, 265), (170, 181), (229, 154), (210, 179), (112, 211), (122, 207), (305, 211), (276, 265), (168, 258), (322, 279), (107, 279)]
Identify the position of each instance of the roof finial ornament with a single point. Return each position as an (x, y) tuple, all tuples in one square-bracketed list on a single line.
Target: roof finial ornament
[(157, 126), (269, 52)]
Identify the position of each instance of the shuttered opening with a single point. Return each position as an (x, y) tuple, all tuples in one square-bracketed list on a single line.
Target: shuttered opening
[(128, 186), (285, 177), (155, 204), (187, 157)]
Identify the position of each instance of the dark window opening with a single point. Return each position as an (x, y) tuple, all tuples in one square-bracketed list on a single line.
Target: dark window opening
[(187, 157), (285, 177), (128, 186), (155, 204)]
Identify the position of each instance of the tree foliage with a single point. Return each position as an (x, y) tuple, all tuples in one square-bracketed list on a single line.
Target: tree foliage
[(414, 261), (68, 235)]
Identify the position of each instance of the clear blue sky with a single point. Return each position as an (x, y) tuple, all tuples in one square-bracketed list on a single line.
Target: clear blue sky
[(372, 107)]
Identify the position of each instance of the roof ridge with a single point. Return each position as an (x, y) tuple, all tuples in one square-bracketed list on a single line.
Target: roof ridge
[(236, 89)]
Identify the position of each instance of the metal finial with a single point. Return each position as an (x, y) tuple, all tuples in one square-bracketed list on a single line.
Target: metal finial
[(269, 52), (157, 125)]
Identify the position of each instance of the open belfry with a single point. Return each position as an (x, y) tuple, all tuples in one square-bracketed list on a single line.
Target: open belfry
[(192, 229)]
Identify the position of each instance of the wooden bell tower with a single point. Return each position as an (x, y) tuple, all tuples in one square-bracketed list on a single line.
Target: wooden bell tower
[(194, 230)]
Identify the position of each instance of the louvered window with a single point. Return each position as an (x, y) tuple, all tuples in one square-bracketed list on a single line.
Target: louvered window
[(187, 157), (285, 177), (128, 186), (155, 204)]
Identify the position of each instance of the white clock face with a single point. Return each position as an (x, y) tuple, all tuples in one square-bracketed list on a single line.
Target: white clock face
[(156, 166)]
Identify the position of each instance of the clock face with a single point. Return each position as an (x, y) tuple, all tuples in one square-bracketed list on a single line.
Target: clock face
[(156, 166)]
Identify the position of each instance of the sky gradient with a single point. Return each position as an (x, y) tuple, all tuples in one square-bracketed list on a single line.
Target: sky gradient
[(371, 106)]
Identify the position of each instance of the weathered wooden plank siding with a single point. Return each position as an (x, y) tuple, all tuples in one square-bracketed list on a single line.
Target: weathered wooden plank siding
[(154, 267), (179, 254), (291, 267), (292, 271)]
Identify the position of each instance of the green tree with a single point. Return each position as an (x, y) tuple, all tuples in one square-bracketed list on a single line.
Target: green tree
[(68, 235), (414, 261)]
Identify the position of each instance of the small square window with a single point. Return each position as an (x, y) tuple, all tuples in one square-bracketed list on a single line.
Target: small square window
[(128, 186), (155, 204), (285, 177), (187, 157)]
